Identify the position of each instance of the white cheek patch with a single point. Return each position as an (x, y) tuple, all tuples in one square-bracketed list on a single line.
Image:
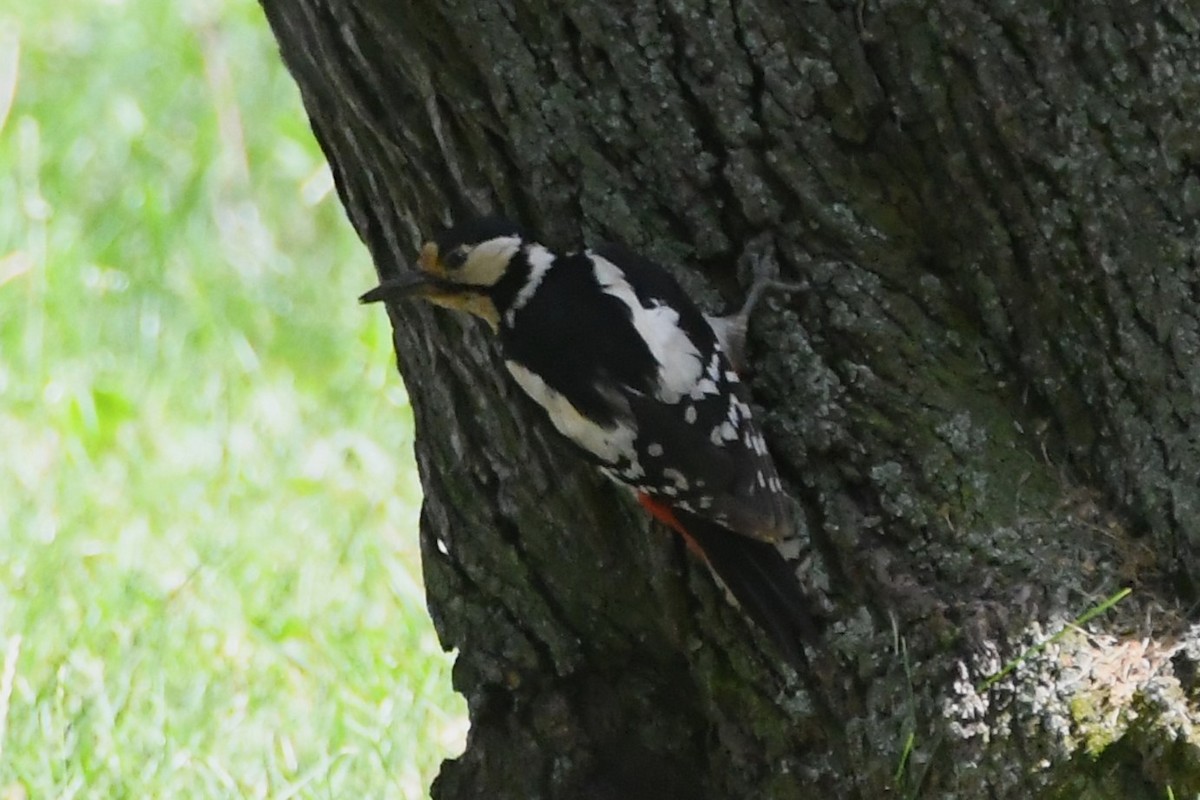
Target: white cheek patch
[(610, 445), (487, 261), (679, 365)]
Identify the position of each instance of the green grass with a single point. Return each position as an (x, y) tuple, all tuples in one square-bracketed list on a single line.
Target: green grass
[(208, 575)]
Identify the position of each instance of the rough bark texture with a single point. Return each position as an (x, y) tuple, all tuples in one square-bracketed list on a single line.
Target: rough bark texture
[(985, 406)]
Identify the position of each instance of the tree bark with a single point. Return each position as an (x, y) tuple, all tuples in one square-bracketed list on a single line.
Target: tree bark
[(985, 405)]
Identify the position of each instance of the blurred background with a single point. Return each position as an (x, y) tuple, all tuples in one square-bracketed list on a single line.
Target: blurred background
[(209, 583)]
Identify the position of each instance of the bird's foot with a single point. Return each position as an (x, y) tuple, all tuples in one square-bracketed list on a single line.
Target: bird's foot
[(731, 329)]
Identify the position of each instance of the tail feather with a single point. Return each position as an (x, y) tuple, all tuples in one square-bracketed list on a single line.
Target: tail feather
[(760, 580)]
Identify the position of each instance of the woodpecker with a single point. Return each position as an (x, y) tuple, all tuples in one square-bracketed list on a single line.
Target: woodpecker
[(630, 371)]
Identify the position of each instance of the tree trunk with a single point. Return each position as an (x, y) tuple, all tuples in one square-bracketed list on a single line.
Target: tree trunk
[(985, 405)]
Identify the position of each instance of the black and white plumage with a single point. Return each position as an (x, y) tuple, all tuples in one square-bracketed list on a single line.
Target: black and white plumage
[(629, 370)]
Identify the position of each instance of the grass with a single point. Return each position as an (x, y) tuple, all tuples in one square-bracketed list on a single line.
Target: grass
[(1074, 625), (209, 584)]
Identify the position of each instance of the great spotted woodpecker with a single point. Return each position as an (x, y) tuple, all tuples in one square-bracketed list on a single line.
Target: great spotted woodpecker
[(629, 370)]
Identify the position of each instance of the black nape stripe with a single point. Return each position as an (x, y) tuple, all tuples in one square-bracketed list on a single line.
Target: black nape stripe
[(505, 290)]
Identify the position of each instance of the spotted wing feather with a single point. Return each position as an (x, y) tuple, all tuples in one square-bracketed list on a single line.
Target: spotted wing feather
[(702, 450)]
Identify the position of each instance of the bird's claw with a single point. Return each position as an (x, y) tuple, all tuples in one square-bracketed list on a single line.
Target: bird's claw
[(731, 329)]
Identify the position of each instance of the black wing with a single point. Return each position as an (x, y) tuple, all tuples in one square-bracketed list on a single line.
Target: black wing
[(704, 452)]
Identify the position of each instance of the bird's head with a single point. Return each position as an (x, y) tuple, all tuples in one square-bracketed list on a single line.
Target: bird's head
[(458, 269)]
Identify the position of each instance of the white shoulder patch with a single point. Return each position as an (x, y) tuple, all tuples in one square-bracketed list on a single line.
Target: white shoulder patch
[(610, 445), (679, 365)]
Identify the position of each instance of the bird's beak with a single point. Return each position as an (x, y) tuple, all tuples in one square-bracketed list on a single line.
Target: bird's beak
[(429, 282), (411, 284), (426, 281)]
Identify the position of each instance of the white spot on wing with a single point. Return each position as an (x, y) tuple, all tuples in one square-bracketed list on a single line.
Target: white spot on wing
[(689, 415), (655, 449), (728, 432), (702, 387), (677, 478)]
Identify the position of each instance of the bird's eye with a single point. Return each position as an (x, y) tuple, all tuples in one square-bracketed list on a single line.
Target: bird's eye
[(455, 258)]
